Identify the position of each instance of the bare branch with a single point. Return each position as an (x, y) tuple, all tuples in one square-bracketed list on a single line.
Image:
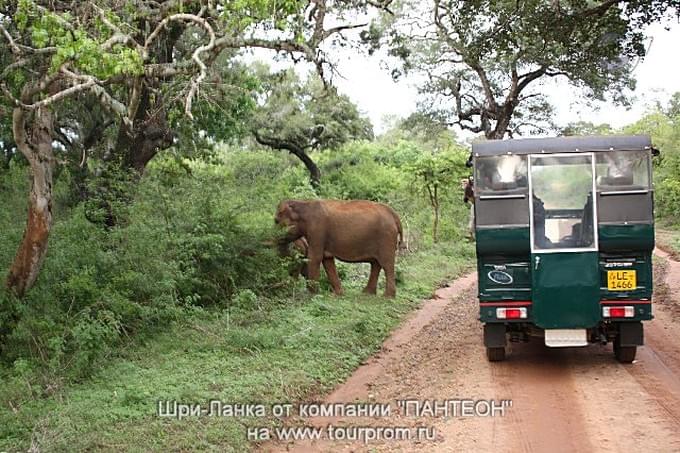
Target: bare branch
[(118, 36), (488, 92), (135, 98), (601, 8), (196, 56), (180, 17), (8, 94), (384, 5), (15, 48), (17, 64), (527, 78), (60, 95), (319, 11), (89, 82), (556, 73), (334, 30)]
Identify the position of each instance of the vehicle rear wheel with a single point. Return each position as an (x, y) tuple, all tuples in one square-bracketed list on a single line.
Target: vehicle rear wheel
[(495, 354), (624, 354)]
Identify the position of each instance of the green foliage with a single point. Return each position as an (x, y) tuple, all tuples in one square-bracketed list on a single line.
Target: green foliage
[(485, 57), (75, 45), (362, 171), (586, 128), (664, 127), (248, 353), (223, 112), (191, 235), (307, 114), (140, 62), (276, 14), (192, 261), (424, 129), (440, 170), (435, 173)]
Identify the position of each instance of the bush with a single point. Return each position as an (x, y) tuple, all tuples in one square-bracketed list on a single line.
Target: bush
[(194, 238)]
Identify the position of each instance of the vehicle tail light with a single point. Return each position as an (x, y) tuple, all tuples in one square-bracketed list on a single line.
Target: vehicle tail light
[(511, 313), (618, 312)]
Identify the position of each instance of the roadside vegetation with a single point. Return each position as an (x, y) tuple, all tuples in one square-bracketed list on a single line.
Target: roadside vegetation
[(663, 124), (186, 299)]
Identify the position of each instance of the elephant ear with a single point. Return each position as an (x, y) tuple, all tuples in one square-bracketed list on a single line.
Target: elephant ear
[(294, 210)]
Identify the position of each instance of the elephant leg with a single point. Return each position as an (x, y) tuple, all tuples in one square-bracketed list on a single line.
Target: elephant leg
[(390, 285), (332, 272), (372, 285), (313, 272)]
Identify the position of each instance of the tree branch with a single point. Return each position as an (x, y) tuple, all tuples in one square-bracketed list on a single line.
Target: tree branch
[(15, 48), (293, 148), (196, 55)]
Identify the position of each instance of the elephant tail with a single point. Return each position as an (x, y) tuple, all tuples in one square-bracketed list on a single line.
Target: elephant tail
[(400, 231)]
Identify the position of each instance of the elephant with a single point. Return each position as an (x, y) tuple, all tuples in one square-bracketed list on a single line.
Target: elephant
[(300, 247), (355, 231)]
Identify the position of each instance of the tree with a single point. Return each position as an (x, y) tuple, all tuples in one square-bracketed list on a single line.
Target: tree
[(436, 173), (673, 108), (485, 60), (421, 128), (137, 61), (586, 128), (663, 125), (298, 116)]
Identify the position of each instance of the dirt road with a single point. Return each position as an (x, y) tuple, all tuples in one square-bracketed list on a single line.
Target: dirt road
[(562, 399)]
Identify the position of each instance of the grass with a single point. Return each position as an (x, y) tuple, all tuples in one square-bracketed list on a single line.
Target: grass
[(297, 350), (668, 238)]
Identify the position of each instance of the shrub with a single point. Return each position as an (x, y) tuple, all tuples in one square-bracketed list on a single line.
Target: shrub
[(194, 238)]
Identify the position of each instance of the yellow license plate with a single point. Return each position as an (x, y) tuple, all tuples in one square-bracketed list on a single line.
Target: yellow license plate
[(621, 280)]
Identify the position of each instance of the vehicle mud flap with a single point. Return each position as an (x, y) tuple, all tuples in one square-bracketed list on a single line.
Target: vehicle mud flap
[(494, 335), (631, 334)]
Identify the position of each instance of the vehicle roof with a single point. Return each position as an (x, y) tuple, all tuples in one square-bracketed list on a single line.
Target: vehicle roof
[(562, 145)]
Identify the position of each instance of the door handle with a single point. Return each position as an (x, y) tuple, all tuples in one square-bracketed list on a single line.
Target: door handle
[(537, 261)]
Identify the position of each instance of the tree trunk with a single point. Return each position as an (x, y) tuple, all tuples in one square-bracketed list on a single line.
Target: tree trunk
[(135, 148), (295, 149), (503, 122), (151, 131), (435, 226), (314, 172), (35, 143), (498, 132)]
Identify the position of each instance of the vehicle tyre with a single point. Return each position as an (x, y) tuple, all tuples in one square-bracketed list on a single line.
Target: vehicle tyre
[(495, 354), (624, 354)]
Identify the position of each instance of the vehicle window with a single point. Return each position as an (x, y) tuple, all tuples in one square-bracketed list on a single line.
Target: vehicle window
[(623, 170), (501, 173), (562, 202)]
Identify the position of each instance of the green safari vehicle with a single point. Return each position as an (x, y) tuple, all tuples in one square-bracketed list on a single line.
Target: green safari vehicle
[(565, 232)]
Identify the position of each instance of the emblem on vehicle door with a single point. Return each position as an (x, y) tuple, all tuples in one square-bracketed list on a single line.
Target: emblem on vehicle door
[(500, 277)]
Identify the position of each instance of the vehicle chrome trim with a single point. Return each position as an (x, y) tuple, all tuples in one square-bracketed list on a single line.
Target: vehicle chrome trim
[(502, 197), (624, 192), (625, 302), (508, 289), (504, 226)]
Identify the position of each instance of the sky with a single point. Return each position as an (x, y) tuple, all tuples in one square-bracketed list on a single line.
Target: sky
[(658, 75)]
